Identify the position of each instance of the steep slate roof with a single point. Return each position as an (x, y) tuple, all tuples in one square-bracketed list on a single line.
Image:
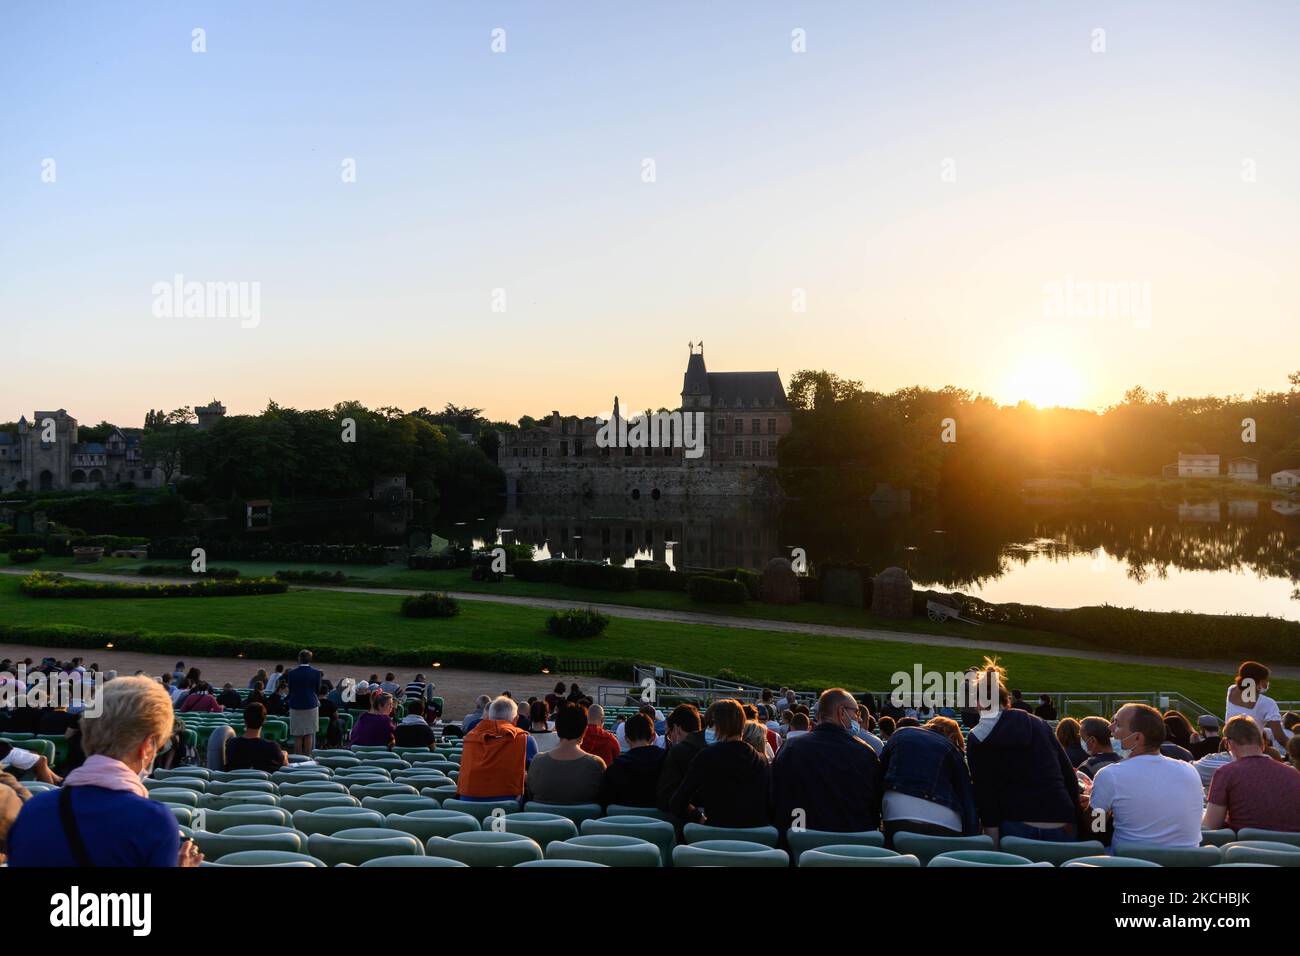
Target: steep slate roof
[(741, 389)]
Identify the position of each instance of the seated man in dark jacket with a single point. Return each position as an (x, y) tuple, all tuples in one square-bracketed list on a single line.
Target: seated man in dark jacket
[(633, 777), (413, 730), (685, 740), (829, 777)]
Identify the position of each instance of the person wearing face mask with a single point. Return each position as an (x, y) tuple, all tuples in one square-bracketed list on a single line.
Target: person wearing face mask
[(1155, 800), (102, 816), (727, 783), (830, 774), (1247, 697), (1094, 738)]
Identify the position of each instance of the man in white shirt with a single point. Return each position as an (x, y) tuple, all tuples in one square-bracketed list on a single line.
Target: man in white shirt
[(1155, 800)]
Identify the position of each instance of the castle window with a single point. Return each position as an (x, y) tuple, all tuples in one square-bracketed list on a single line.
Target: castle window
[(771, 426), (740, 449), (740, 426), (722, 424), (756, 449), (756, 426)]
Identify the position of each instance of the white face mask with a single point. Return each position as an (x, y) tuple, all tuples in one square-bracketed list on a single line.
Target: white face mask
[(1120, 749), (710, 736)]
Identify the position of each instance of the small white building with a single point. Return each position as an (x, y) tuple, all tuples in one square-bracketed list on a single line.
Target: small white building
[(1197, 465), (1287, 478), (1243, 469)]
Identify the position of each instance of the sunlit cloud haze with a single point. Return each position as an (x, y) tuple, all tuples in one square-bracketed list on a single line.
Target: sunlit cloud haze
[(1171, 161)]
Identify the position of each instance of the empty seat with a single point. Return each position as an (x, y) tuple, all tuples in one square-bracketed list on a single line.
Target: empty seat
[(181, 782), (199, 772), (854, 854), (223, 801), (399, 803), (559, 863), (1272, 836), (225, 776), (431, 823), (1173, 856), (800, 840), (1262, 851), (218, 820), (441, 791), (184, 815), (337, 762), (698, 832), (577, 812), (611, 849), (1119, 861), (413, 861), (357, 845), (1048, 851), (1217, 837), (659, 832), (241, 786), (363, 790), (485, 848), (318, 801), (186, 798), (266, 858), (729, 853), (480, 810), (217, 845), (957, 858), (624, 810), (926, 847), (331, 820), (542, 827), (311, 787)]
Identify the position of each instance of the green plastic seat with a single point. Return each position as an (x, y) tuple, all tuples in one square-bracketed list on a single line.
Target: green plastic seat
[(485, 848), (1173, 856), (800, 840), (925, 847), (853, 854), (184, 815), (1271, 836), (311, 788), (363, 790), (185, 798), (196, 784), (442, 791), (304, 775), (216, 821), (387, 763), (399, 803), (318, 802), (337, 762), (227, 776), (267, 858), (1262, 851), (1217, 837), (224, 801), (357, 845), (959, 858), (624, 810), (577, 812), (1046, 851), (542, 827), (201, 773), (425, 824), (1220, 865), (331, 820), (699, 832), (612, 849), (560, 863), (217, 845), (410, 861), (220, 788), (480, 811), (729, 853), (1108, 861), (651, 829)]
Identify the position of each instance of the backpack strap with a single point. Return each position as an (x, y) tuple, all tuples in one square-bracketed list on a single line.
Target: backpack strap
[(70, 831)]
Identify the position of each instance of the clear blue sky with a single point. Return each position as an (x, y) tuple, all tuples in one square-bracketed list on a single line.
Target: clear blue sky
[(776, 171)]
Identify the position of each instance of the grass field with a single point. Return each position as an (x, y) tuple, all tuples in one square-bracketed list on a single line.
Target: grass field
[(330, 618)]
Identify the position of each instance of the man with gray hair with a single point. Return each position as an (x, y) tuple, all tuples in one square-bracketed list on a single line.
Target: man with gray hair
[(475, 715), (495, 756)]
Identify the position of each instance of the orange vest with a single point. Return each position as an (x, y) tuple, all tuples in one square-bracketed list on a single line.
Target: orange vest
[(492, 761)]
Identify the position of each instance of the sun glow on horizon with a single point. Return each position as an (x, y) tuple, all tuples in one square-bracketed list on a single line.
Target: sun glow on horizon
[(1046, 381)]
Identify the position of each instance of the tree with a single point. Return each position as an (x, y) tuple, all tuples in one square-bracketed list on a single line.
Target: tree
[(164, 439)]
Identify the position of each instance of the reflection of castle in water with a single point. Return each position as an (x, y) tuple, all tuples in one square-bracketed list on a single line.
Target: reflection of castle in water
[(708, 532)]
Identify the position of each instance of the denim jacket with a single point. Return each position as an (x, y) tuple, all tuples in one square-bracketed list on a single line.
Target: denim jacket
[(923, 763)]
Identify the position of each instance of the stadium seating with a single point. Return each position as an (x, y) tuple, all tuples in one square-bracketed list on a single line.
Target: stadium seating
[(1273, 836), (412, 861), (485, 848), (1262, 851), (962, 858), (425, 824), (800, 841), (1047, 851), (1105, 861), (926, 847), (854, 854), (542, 827), (608, 848), (577, 812), (1217, 837), (266, 858), (480, 810), (729, 853), (698, 832), (1173, 856), (659, 832), (331, 820), (355, 846)]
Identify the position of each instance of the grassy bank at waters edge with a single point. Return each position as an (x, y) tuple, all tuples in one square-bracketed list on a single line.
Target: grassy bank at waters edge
[(334, 619)]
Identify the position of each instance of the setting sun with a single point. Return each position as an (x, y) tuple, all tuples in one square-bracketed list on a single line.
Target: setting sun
[(1046, 380)]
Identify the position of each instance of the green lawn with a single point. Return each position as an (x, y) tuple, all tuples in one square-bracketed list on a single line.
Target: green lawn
[(329, 618)]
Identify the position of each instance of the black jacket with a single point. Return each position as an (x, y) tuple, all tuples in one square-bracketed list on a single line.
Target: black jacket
[(727, 785), (633, 778), (1021, 772), (675, 766), (832, 776)]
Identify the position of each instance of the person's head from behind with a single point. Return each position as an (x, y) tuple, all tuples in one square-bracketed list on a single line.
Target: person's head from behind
[(537, 715), (799, 723), (1252, 679), (503, 709), (683, 721), (254, 717), (227, 686), (596, 715), (1243, 736), (304, 656), (1207, 725), (1178, 728), (1138, 728), (415, 708), (1094, 735), (947, 727), (1067, 732), (481, 702), (570, 721), (135, 720), (728, 720), (755, 734), (1045, 700), (639, 731), (839, 708), (887, 726), (986, 687), (907, 722), (751, 712), (560, 689)]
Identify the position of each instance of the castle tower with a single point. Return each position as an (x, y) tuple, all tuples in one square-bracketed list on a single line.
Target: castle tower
[(210, 414)]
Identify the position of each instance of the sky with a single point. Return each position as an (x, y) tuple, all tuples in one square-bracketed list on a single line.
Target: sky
[(993, 196)]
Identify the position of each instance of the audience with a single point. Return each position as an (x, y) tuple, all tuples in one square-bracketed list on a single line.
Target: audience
[(684, 738), (633, 778), (596, 739), (1094, 738), (1206, 740), (1153, 799), (495, 756), (1247, 697), (375, 728), (1254, 790), (566, 773), (304, 682), (541, 728), (727, 783), (1067, 735), (924, 784), (251, 751), (413, 730)]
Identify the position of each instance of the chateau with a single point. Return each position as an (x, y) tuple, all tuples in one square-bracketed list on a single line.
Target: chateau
[(29, 463), (743, 417)]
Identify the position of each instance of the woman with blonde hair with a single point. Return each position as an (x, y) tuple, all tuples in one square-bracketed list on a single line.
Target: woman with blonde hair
[(755, 734), (102, 816)]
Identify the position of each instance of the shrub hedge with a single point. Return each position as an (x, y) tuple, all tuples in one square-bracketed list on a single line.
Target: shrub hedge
[(703, 587), (315, 577), (25, 555), (443, 561), (184, 571), (430, 604), (270, 551), (40, 585), (577, 623)]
